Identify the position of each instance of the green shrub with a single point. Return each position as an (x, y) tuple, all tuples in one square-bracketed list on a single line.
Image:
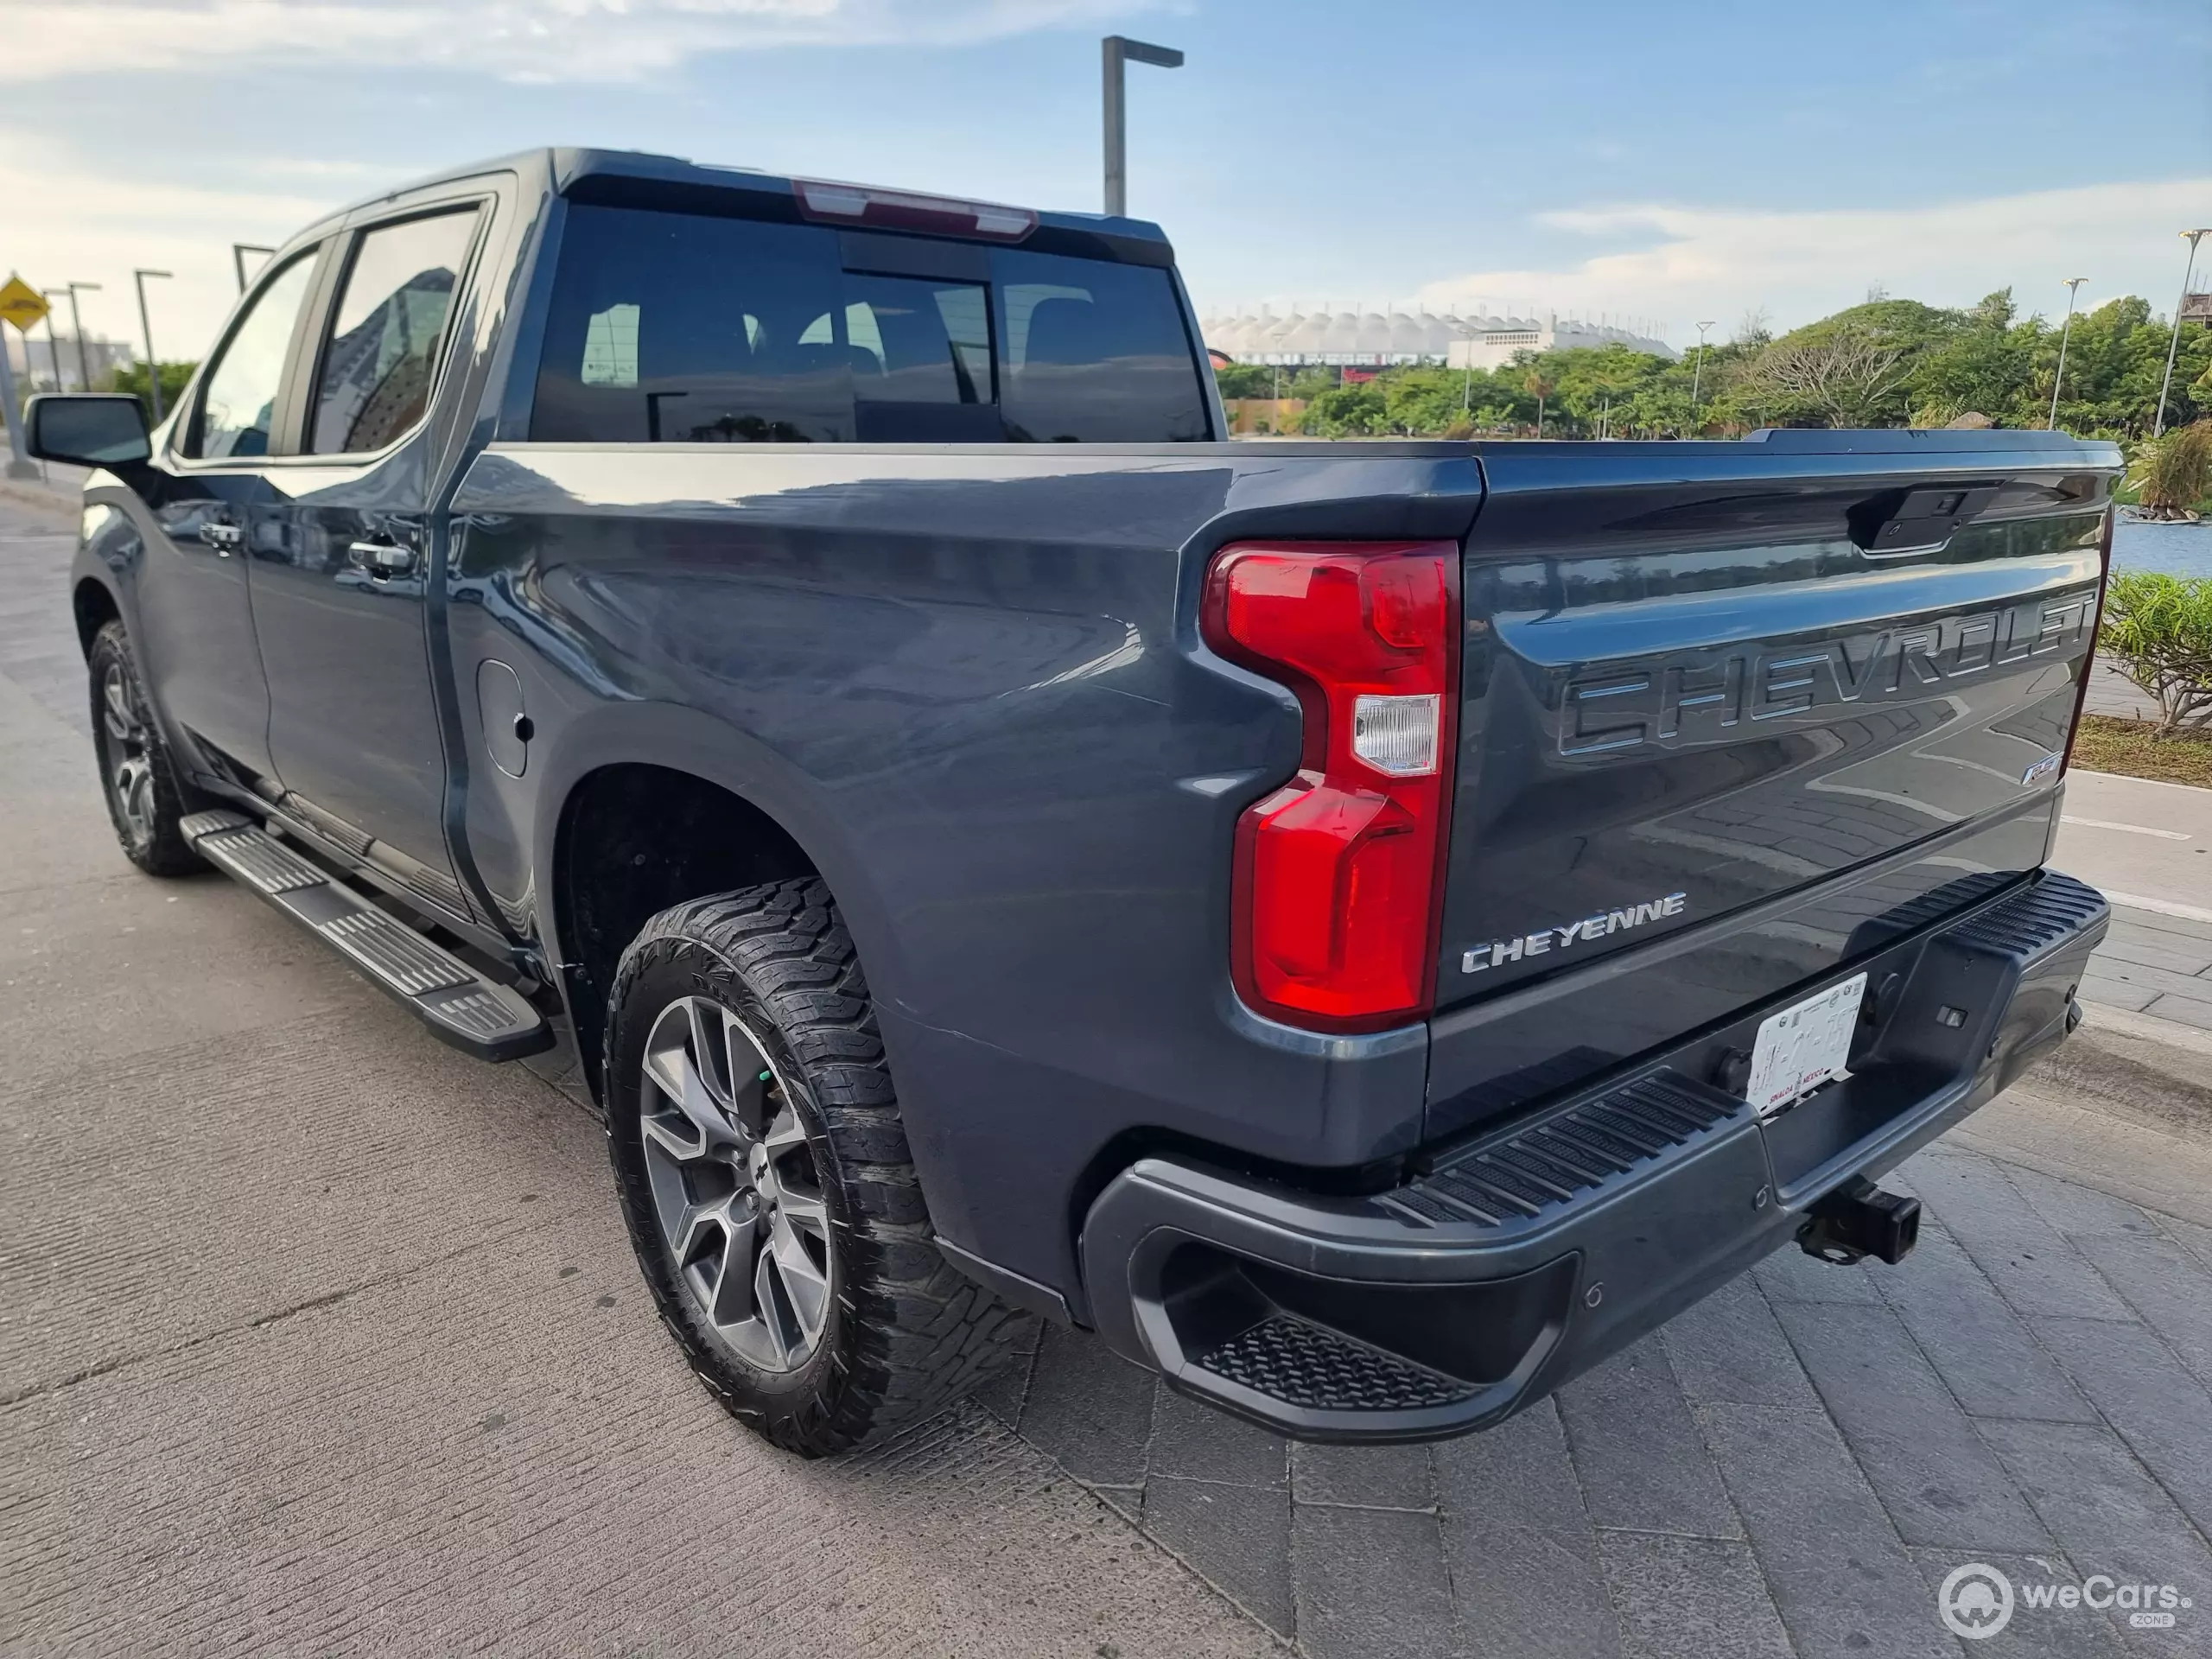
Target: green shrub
[(2159, 629), (131, 378), (2172, 472)]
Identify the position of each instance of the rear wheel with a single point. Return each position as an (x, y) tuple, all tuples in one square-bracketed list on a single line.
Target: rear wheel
[(766, 1179), (145, 801)]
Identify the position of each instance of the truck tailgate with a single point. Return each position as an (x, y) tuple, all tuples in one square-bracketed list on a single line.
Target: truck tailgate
[(1767, 702)]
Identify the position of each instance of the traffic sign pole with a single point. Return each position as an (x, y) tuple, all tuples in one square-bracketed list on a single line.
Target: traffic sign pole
[(20, 464), (21, 304)]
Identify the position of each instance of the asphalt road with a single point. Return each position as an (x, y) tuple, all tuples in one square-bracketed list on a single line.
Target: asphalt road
[(315, 1336)]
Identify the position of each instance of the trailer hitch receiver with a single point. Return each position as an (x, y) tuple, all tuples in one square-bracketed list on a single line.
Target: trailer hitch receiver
[(1859, 1219)]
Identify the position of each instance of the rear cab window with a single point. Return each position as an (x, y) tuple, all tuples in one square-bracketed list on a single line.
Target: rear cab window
[(668, 328)]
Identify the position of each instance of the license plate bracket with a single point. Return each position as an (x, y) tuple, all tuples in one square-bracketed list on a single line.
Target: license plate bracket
[(1804, 1047)]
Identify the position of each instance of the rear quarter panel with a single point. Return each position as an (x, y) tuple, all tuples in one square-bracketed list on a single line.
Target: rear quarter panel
[(968, 682)]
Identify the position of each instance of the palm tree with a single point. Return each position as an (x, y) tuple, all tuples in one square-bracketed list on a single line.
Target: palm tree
[(1539, 388)]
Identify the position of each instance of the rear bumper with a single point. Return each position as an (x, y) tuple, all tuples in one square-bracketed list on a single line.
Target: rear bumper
[(1508, 1264)]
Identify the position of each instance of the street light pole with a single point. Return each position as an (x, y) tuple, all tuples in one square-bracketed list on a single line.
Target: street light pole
[(84, 372), (2159, 425), (52, 345), (146, 327), (238, 251), (1115, 50), (1697, 374), (2072, 292)]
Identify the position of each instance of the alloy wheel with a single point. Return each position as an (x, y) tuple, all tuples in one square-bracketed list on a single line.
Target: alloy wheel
[(734, 1186), (129, 769)]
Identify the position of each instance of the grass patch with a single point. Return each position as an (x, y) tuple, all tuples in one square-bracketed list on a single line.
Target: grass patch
[(2106, 744)]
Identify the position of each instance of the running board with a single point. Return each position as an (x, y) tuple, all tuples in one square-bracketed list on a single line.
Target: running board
[(461, 1007)]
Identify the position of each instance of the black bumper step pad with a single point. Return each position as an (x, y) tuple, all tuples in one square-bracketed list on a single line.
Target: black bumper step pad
[(461, 1006), (1518, 1176), (1284, 1357)]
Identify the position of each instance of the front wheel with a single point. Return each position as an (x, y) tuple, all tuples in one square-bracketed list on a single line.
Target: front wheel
[(144, 800), (765, 1179)]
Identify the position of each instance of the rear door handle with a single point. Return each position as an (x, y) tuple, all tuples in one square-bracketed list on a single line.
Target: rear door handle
[(383, 560), (222, 537)]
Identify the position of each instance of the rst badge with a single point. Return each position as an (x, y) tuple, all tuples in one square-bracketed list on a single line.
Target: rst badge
[(1520, 948)]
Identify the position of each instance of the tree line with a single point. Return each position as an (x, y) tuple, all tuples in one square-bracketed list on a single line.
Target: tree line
[(1885, 363)]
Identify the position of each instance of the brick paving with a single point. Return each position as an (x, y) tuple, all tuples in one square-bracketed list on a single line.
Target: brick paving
[(1791, 1467), (317, 1337), (2157, 964)]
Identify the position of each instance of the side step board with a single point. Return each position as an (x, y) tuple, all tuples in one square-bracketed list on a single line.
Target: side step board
[(475, 1014)]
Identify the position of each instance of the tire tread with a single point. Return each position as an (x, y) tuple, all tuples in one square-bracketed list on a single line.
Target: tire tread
[(921, 1332)]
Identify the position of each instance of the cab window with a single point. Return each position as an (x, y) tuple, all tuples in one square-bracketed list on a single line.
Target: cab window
[(381, 358), (237, 407)]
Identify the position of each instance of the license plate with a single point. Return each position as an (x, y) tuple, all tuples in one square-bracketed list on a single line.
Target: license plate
[(1804, 1047)]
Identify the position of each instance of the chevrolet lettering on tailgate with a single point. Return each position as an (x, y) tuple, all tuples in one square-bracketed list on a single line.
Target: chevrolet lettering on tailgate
[(1702, 696)]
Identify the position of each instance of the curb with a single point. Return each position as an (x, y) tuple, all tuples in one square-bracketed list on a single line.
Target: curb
[(2147, 1027), (38, 495)]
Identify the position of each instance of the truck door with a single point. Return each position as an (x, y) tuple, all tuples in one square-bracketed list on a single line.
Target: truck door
[(339, 604), (209, 498)]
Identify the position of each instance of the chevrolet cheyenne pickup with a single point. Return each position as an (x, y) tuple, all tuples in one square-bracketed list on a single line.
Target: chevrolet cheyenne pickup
[(1368, 929)]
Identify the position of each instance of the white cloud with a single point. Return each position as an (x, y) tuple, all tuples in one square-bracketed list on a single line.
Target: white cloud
[(1682, 264), (68, 224), (519, 39)]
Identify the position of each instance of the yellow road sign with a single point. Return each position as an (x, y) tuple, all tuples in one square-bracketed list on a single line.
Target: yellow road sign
[(21, 304)]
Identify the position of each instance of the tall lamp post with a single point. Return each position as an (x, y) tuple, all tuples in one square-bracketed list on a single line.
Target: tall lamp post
[(2159, 425), (84, 372), (1697, 374), (146, 327), (1118, 51), (238, 251), (2073, 293), (53, 346)]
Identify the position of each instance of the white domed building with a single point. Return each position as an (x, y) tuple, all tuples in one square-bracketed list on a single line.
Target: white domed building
[(1378, 339)]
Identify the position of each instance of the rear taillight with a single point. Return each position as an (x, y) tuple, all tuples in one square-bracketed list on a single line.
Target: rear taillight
[(1339, 874), (2096, 626)]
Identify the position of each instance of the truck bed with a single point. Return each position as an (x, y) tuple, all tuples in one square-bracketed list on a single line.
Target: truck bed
[(971, 682)]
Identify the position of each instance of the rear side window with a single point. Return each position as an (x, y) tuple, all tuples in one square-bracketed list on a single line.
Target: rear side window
[(1095, 352), (382, 355), (670, 327)]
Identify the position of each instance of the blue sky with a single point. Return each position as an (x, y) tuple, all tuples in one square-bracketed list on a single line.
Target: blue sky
[(1673, 163)]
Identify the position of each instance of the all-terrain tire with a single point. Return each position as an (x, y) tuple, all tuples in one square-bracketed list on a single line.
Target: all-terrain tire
[(905, 1332), (147, 798)]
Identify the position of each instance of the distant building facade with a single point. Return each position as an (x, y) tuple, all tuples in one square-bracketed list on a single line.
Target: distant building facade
[(32, 358), (1378, 339)]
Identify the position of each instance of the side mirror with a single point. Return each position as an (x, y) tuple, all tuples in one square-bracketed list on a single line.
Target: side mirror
[(87, 429)]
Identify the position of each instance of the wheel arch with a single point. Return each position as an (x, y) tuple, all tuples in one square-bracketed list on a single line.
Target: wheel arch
[(649, 805), (94, 605)]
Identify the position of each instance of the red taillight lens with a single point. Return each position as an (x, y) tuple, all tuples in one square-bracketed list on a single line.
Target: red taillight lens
[(1339, 878)]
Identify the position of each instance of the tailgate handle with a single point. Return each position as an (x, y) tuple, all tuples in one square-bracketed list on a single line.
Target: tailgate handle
[(1915, 520)]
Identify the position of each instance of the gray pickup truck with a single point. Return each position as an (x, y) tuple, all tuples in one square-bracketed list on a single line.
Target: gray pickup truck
[(1368, 929)]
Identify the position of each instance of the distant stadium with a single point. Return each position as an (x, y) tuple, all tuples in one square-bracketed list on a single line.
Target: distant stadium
[(1379, 338)]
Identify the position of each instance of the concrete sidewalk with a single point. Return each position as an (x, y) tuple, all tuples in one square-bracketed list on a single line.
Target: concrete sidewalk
[(2148, 847)]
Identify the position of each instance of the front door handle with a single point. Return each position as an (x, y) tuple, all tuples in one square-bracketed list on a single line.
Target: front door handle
[(222, 537), (383, 560)]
